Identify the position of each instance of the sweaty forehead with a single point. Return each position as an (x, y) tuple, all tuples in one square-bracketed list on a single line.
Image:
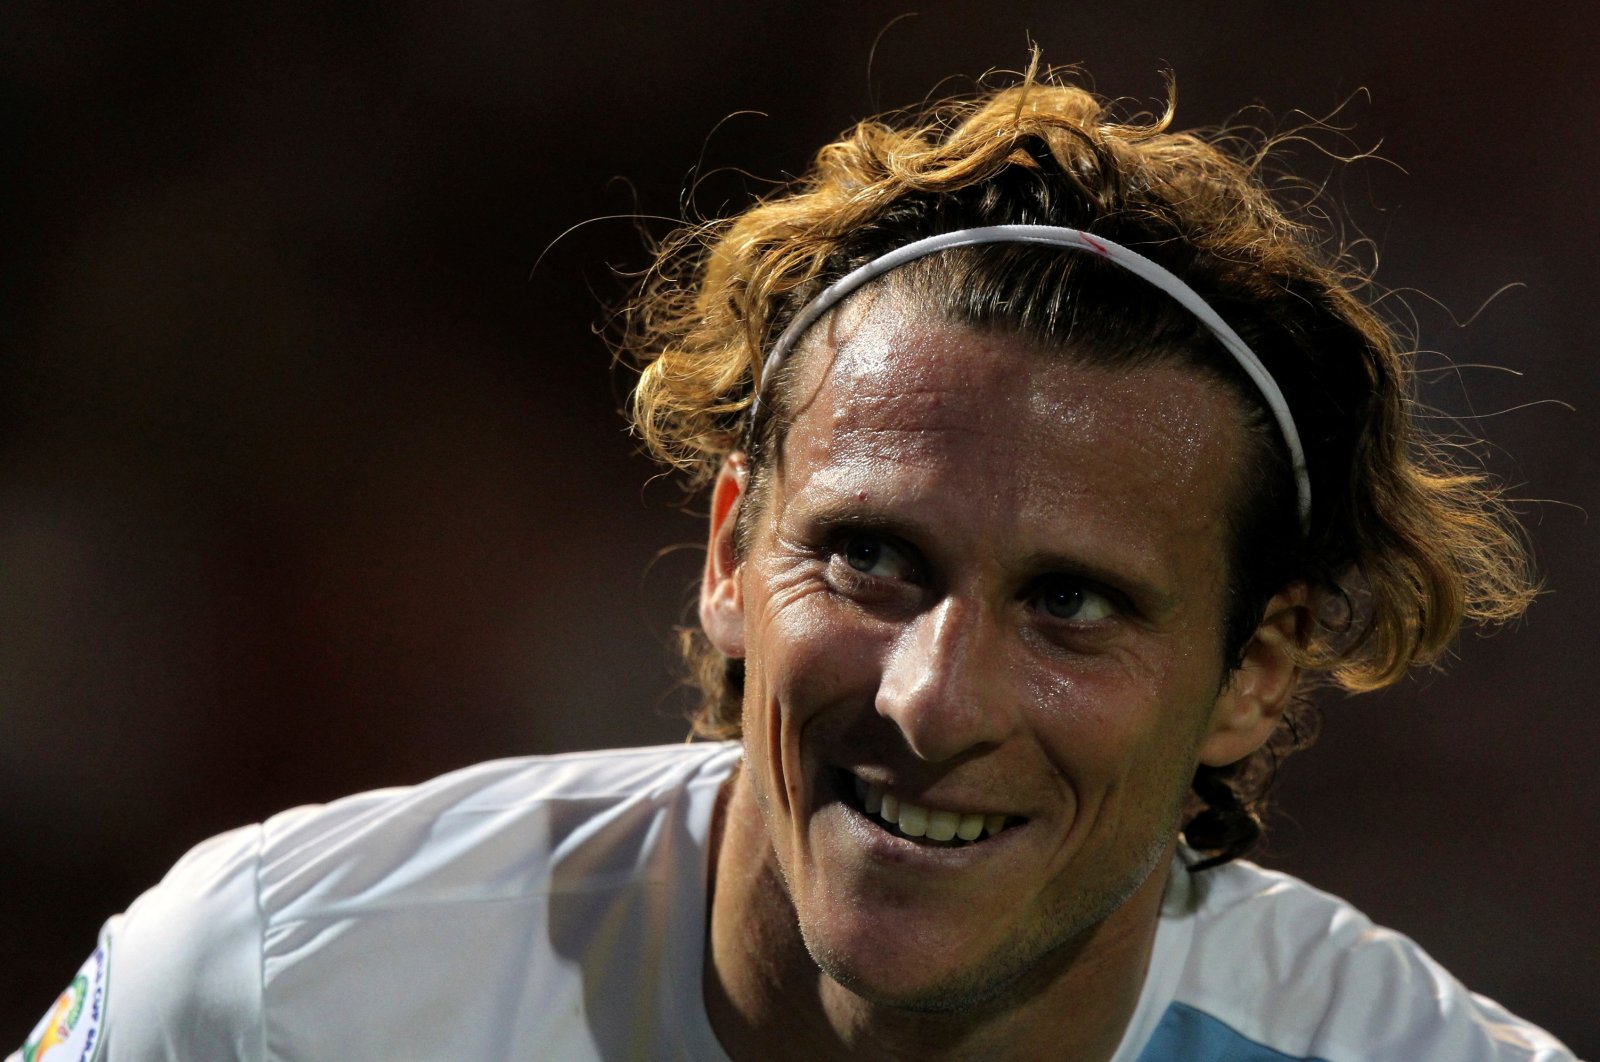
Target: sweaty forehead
[(883, 381), (992, 446)]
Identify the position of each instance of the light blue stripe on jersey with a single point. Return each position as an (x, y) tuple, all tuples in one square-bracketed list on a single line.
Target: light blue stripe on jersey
[(1185, 1034)]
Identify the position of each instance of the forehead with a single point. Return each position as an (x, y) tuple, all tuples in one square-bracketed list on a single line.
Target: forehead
[(892, 400)]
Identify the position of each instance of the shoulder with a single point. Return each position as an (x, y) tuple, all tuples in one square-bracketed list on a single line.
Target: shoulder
[(183, 964), (1302, 974), (496, 827), (355, 893)]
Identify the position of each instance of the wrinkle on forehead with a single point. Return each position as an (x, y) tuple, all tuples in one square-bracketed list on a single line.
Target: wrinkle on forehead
[(905, 401), (1035, 438)]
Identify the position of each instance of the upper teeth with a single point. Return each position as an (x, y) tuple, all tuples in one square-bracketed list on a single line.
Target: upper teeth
[(915, 820)]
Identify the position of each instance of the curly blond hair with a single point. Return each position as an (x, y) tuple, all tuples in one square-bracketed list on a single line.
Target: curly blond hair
[(1406, 539)]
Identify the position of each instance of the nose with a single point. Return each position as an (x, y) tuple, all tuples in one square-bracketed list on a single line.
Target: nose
[(943, 682)]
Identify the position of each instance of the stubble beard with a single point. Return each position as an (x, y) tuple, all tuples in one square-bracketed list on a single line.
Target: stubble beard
[(1024, 963), (1034, 954), (1019, 967)]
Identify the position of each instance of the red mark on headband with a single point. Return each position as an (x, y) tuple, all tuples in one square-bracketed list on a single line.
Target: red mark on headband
[(1098, 247)]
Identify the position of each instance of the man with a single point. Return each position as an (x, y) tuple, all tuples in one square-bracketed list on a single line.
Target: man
[(1049, 456)]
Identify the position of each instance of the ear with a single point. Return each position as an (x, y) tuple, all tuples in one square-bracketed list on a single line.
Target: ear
[(721, 593), (1249, 707)]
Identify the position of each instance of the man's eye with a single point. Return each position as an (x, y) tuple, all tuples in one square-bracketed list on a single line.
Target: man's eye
[(1068, 600), (874, 556), (863, 553)]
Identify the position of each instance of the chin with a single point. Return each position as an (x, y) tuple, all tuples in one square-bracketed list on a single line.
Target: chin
[(960, 994), (923, 979)]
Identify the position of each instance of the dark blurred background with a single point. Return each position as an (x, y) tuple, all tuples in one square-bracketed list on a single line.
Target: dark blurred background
[(307, 487)]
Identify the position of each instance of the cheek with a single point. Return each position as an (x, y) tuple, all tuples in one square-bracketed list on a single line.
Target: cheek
[(1112, 724), (806, 674), (815, 653), (1094, 703)]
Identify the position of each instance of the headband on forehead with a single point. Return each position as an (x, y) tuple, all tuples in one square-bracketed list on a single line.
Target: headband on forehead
[(1056, 236)]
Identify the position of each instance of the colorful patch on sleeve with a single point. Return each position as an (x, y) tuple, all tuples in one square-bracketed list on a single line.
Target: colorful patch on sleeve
[(71, 1031)]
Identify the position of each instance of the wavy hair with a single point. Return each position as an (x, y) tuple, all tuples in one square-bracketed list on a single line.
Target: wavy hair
[(1407, 538)]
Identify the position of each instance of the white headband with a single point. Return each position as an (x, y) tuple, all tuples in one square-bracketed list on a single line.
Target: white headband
[(1057, 236)]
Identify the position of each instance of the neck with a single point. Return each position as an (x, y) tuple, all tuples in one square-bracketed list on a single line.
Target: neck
[(767, 998)]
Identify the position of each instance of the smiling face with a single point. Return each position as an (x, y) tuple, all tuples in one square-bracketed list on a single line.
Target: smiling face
[(982, 596)]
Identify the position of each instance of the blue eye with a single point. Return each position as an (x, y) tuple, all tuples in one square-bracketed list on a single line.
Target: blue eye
[(1069, 600), (878, 557), (862, 553)]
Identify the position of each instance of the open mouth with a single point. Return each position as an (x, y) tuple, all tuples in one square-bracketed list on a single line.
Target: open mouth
[(914, 822)]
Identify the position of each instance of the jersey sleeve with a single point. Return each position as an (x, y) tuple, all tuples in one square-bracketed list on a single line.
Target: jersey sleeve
[(1287, 971), (183, 966)]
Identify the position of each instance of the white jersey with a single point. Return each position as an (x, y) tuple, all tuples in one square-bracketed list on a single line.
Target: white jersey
[(555, 908)]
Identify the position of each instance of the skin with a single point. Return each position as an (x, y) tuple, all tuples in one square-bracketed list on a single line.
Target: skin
[(991, 579)]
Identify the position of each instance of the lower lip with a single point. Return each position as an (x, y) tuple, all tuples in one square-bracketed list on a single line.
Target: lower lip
[(886, 847)]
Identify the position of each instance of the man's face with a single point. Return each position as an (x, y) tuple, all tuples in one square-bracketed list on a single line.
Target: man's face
[(985, 584)]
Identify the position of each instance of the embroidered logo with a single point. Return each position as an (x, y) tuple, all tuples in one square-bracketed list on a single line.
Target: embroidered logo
[(71, 1030)]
